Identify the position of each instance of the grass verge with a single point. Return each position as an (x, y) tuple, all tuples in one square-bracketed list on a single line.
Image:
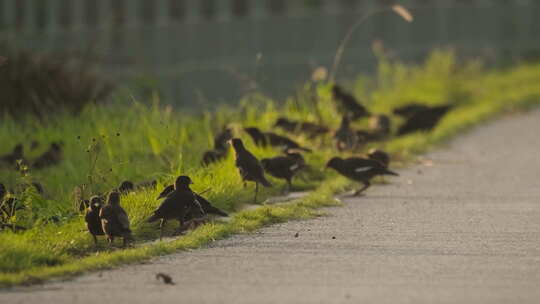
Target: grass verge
[(107, 144)]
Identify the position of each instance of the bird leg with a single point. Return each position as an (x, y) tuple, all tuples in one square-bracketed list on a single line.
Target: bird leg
[(161, 224), (359, 191), (289, 182), (95, 239), (111, 240), (256, 191)]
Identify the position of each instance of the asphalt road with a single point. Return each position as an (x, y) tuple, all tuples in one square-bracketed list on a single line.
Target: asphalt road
[(462, 227)]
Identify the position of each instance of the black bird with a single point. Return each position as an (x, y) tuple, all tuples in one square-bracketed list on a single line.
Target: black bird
[(423, 120), (284, 167), (380, 156), (212, 156), (310, 129), (249, 167), (410, 109), (348, 104), (51, 157), (16, 154), (93, 222), (379, 126), (220, 141), (345, 137), (128, 186), (180, 204), (114, 219), (359, 169), (3, 192), (220, 148), (165, 278), (264, 139), (205, 204)]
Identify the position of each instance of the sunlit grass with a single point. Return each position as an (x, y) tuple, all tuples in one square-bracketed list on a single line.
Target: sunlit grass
[(130, 140)]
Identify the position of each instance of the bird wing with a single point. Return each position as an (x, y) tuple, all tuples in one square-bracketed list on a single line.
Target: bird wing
[(122, 217), (166, 191), (359, 165)]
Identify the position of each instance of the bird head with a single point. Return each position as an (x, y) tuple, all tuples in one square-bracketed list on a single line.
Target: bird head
[(126, 186), (95, 203), (252, 131), (282, 121), (182, 182), (18, 150), (113, 198), (334, 162), (336, 90), (237, 144), (56, 146)]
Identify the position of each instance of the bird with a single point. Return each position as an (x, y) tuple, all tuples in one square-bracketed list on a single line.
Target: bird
[(359, 169), (180, 204), (114, 220), (220, 140), (284, 167), (16, 154), (249, 167), (3, 192), (408, 110), (348, 104), (165, 278), (128, 186), (345, 137), (93, 222), (380, 156), (207, 207), (51, 157), (379, 126), (264, 139), (212, 156), (220, 148), (310, 129), (423, 120)]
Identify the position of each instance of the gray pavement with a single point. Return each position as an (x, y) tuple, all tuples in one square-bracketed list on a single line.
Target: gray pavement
[(463, 227)]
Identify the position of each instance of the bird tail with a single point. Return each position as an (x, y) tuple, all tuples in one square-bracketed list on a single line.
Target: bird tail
[(153, 218), (305, 149), (265, 182), (388, 172), (217, 211)]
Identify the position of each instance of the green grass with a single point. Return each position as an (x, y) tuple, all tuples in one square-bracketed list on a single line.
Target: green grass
[(129, 140)]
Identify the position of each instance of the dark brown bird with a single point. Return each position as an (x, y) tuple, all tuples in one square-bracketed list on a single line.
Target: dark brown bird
[(410, 109), (16, 154), (213, 156), (359, 169), (114, 219), (221, 148), (128, 186), (206, 206), (51, 157), (180, 205), (423, 120), (348, 105), (3, 192), (93, 222), (249, 167), (380, 156), (284, 167), (309, 129), (345, 137), (165, 278), (264, 139)]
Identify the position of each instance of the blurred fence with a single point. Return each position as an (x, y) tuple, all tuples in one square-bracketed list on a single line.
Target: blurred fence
[(199, 50)]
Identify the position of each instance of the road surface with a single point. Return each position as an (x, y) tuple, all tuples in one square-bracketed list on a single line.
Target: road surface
[(461, 227)]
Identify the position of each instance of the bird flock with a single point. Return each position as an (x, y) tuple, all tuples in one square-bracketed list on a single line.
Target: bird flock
[(104, 215)]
